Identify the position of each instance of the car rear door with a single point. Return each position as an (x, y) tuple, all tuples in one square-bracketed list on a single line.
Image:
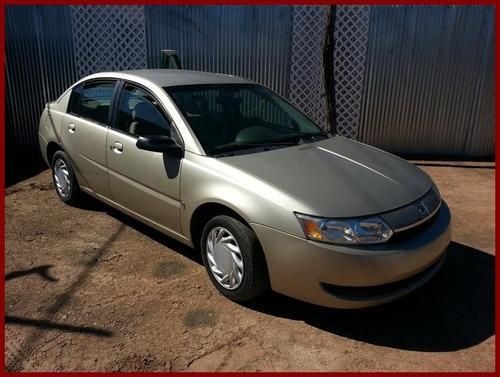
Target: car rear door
[(143, 182), (84, 131)]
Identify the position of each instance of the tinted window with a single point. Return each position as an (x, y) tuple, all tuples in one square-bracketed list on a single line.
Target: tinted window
[(140, 115), (233, 115), (92, 101), (74, 100)]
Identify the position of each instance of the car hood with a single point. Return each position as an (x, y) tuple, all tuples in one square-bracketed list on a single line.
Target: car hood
[(338, 177)]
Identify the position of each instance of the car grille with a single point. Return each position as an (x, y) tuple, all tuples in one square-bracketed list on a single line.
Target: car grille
[(412, 231), (414, 214)]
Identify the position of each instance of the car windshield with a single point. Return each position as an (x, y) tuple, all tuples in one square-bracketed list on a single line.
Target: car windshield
[(242, 118)]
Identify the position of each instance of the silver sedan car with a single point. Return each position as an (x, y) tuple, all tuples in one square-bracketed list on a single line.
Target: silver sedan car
[(231, 168)]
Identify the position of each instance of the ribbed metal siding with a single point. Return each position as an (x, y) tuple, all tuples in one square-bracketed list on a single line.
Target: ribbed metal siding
[(248, 41), (429, 84), (39, 65)]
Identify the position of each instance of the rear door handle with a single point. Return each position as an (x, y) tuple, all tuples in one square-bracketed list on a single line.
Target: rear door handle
[(71, 128), (117, 147)]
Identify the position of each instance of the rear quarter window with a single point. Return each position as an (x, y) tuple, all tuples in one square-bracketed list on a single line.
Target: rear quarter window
[(92, 101)]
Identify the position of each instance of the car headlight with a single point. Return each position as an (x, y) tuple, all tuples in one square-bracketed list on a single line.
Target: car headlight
[(369, 230)]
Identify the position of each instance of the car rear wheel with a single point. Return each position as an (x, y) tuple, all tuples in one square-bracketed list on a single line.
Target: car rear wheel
[(234, 259), (64, 179)]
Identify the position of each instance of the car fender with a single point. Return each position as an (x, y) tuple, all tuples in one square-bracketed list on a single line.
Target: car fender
[(208, 180)]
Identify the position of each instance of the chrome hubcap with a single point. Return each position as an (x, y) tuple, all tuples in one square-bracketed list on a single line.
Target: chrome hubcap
[(61, 176), (224, 258)]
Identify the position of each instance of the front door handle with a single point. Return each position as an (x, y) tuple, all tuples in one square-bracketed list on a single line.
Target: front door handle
[(71, 128), (117, 147)]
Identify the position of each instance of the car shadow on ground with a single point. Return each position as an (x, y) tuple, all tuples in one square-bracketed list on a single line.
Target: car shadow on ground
[(146, 230), (22, 163), (454, 311)]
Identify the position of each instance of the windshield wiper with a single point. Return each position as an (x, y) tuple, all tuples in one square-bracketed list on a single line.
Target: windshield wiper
[(290, 139), (234, 146), (301, 135)]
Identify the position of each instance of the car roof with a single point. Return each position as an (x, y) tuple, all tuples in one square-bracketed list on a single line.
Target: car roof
[(178, 77)]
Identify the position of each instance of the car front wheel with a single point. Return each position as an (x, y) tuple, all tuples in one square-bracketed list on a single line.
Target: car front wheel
[(234, 259)]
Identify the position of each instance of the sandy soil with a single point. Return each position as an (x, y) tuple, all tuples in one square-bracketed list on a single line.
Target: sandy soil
[(91, 289)]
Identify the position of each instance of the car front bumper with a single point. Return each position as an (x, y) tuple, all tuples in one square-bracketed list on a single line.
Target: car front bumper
[(355, 277)]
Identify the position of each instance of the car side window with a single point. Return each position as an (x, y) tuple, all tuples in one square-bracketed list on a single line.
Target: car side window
[(74, 100), (92, 101), (139, 114)]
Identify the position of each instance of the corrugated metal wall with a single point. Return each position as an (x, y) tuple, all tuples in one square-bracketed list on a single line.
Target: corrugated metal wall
[(248, 41), (428, 77), (39, 65), (429, 80)]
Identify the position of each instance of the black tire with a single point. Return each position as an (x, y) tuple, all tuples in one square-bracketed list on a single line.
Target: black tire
[(255, 279), (75, 195)]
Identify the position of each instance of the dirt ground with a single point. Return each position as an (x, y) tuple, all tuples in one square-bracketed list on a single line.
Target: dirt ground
[(91, 289)]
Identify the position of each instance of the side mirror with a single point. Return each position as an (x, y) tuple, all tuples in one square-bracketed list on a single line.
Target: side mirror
[(160, 143)]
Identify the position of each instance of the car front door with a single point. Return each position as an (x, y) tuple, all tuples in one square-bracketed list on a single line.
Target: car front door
[(84, 131), (143, 182)]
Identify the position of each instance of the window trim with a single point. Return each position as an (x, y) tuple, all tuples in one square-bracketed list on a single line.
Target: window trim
[(116, 103), (111, 105)]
